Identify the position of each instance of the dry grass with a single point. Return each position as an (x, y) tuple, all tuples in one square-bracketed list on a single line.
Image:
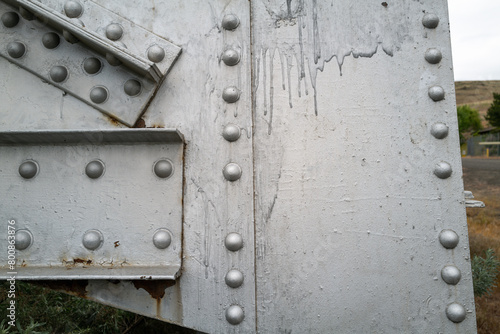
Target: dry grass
[(484, 233)]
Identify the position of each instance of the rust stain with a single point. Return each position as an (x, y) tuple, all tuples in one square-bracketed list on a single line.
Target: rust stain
[(140, 123), (84, 261), (113, 121), (156, 289), (117, 243), (74, 287)]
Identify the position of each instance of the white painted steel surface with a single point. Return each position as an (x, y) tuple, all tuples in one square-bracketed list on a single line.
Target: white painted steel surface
[(338, 205)]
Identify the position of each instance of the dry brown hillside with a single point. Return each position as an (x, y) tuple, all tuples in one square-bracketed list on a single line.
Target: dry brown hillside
[(477, 94)]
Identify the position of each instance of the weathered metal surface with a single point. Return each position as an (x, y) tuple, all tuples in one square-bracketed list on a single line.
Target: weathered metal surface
[(79, 209), (313, 199), (347, 202)]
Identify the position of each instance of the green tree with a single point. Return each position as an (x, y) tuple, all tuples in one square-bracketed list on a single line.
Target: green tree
[(469, 121), (493, 115)]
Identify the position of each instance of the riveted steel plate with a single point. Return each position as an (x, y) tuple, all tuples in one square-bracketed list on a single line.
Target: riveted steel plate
[(64, 207), (41, 61)]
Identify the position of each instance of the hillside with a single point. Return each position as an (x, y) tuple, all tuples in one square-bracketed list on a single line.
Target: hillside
[(477, 94)]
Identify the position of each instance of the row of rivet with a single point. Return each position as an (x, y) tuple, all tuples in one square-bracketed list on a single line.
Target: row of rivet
[(163, 168), (451, 275), (94, 239), (114, 32), (448, 238), (232, 172)]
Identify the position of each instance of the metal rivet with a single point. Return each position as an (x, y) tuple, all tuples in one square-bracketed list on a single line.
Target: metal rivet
[(24, 239), (92, 239), (98, 94), (433, 56), (231, 132), (235, 314), (451, 275), (112, 60), (232, 172), (58, 73), (234, 278), (114, 31), (448, 238), (94, 169), (231, 94), (132, 87), (73, 9), (28, 169), (163, 168), (231, 57), (69, 37), (92, 65), (430, 21), (156, 53), (10, 19), (51, 40), (230, 22), (233, 242), (439, 130), (436, 93), (162, 238), (443, 170), (16, 49), (455, 312)]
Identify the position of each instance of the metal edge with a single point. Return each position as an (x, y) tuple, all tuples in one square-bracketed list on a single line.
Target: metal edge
[(94, 137)]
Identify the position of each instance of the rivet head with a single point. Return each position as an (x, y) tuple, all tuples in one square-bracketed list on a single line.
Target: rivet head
[(94, 169), (433, 56), (231, 94), (233, 242), (455, 312), (51, 40), (10, 19), (132, 87), (234, 278), (162, 238), (451, 275), (58, 73), (232, 172), (16, 49), (430, 21), (24, 239), (163, 168), (439, 130), (114, 31), (443, 170), (231, 57), (99, 94), (92, 65), (235, 314), (448, 238), (231, 132), (73, 9), (28, 169), (92, 239), (112, 60), (436, 93), (230, 22), (156, 54)]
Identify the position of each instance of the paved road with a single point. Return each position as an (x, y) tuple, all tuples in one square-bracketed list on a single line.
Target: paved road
[(481, 164)]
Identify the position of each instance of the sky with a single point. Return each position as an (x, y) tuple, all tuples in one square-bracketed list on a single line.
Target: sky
[(475, 39)]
